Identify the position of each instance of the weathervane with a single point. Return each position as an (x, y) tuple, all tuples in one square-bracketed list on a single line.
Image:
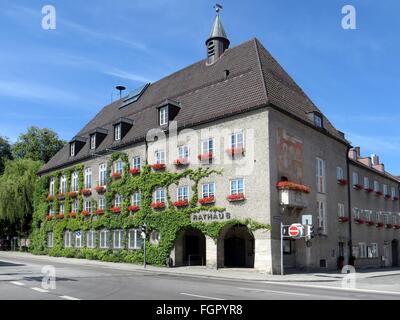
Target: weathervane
[(217, 8)]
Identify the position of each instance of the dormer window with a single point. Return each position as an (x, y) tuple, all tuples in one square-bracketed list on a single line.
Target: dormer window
[(117, 132), (72, 149), (163, 116), (121, 128), (167, 111), (316, 118), (93, 141), (75, 145), (317, 121)]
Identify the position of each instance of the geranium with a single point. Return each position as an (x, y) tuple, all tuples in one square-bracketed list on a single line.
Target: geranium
[(397, 226), (49, 217), (389, 226), (369, 190), (287, 185), (342, 182), (359, 221), (235, 151), (100, 189), (133, 208), (134, 171), (379, 225), (50, 197), (60, 215), (158, 166), (205, 156), (357, 186), (343, 219), (72, 214), (181, 203), (158, 205), (378, 193), (72, 194), (61, 195), (86, 192), (115, 210), (388, 196), (236, 197), (370, 223), (116, 175), (395, 198), (181, 162), (99, 212), (207, 200)]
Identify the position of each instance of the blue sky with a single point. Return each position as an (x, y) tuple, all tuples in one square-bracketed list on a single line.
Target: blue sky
[(61, 78)]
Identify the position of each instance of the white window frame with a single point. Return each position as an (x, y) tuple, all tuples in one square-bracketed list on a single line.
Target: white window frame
[(317, 121), (321, 175), (74, 181), (74, 206), (339, 173), (341, 210), (363, 250), (366, 183), (137, 239), (103, 239), (102, 174), (117, 132), (357, 213), (118, 166), (373, 251), (355, 178), (135, 199), (78, 239), (207, 146), (376, 186), (90, 239), (159, 157), (67, 239), (322, 223), (117, 200), (118, 239), (235, 187), (88, 178), (163, 116), (51, 189), (87, 205), (237, 140), (385, 189), (393, 192), (50, 239), (136, 162), (72, 149), (160, 195), (208, 189), (182, 193), (63, 184), (93, 141), (61, 208), (183, 152), (101, 203)]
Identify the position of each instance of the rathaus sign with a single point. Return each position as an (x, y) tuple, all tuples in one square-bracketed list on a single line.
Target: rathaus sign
[(207, 216)]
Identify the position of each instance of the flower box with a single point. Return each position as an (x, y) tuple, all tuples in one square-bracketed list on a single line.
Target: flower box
[(60, 215), (395, 198), (61, 195), (133, 208), (72, 194), (287, 185), (85, 213), (359, 221), (342, 182), (379, 225), (370, 223), (236, 197), (181, 162), (343, 219), (99, 212), (101, 189), (181, 203), (116, 175), (207, 200), (388, 196), (158, 205), (397, 226), (115, 210), (205, 156), (389, 226), (378, 193), (49, 217), (368, 190), (50, 197), (72, 214), (357, 186), (86, 192), (158, 166), (235, 151), (134, 171)]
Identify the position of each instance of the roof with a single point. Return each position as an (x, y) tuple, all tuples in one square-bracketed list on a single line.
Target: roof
[(217, 30), (204, 93)]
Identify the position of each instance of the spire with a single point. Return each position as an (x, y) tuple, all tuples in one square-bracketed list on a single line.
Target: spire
[(217, 41)]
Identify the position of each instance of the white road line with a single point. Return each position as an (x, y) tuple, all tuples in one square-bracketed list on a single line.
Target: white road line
[(334, 288), (274, 291), (40, 290), (197, 296), (69, 298), (17, 283)]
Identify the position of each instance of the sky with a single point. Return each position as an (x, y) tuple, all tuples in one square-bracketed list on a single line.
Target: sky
[(61, 78)]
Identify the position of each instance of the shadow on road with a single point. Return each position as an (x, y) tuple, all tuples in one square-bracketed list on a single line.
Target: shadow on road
[(9, 264)]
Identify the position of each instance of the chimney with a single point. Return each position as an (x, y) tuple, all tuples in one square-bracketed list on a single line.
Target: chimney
[(375, 159), (358, 151), (353, 154)]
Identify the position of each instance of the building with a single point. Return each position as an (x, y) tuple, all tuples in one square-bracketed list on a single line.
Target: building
[(212, 159)]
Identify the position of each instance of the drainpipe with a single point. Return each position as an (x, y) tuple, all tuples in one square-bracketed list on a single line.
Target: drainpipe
[(349, 204)]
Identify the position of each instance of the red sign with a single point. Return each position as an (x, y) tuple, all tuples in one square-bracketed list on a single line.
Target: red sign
[(294, 231)]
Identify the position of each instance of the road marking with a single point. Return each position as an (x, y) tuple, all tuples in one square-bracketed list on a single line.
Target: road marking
[(335, 288), (69, 298), (40, 290), (274, 291), (17, 283), (195, 295)]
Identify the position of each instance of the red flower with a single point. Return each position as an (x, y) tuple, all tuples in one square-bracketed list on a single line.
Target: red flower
[(158, 205), (99, 212), (100, 189), (395, 198), (181, 203), (370, 223), (49, 217), (235, 151), (206, 156), (287, 185), (342, 182), (61, 195), (343, 219), (357, 186), (72, 194), (133, 208), (133, 171), (115, 210), (369, 190), (207, 200), (116, 175), (72, 214), (388, 196), (396, 226), (379, 225), (236, 197), (181, 162), (86, 192), (359, 221), (50, 197), (378, 193), (60, 215), (158, 166), (389, 226)]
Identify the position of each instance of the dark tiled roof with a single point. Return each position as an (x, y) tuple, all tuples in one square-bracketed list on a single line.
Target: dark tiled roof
[(255, 80)]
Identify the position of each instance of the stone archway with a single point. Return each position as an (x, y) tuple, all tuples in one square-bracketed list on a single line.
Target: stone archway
[(236, 247), (190, 248)]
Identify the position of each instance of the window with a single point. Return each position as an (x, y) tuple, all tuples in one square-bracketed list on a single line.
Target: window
[(74, 182), (385, 219), (93, 141), (393, 192), (159, 157), (208, 190), (87, 205), (67, 239), (183, 152), (163, 116), (90, 239), (373, 250), (117, 200), (183, 193), (320, 175), (321, 216), (102, 174), (104, 238), (61, 208), (72, 149), (101, 204), (356, 213), (355, 178), (51, 187), (207, 146), (376, 186), (63, 184), (317, 121), (135, 199), (88, 178), (363, 249), (51, 212), (341, 210), (356, 251), (74, 206), (385, 189), (117, 132), (366, 183), (339, 173), (159, 195), (236, 140), (118, 239), (134, 239), (118, 166), (78, 239), (50, 239), (155, 237), (237, 186), (136, 162)]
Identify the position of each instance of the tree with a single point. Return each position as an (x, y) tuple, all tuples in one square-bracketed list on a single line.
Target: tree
[(37, 144), (5, 152), (17, 187)]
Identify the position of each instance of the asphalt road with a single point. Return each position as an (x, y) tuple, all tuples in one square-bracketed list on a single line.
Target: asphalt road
[(21, 279)]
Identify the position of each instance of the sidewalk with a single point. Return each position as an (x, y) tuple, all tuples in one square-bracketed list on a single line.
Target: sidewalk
[(204, 272)]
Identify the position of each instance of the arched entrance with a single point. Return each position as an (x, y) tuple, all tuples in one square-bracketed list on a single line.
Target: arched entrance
[(190, 248), (395, 253), (238, 244)]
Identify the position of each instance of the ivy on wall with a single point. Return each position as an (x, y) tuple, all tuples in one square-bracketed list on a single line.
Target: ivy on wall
[(168, 222)]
